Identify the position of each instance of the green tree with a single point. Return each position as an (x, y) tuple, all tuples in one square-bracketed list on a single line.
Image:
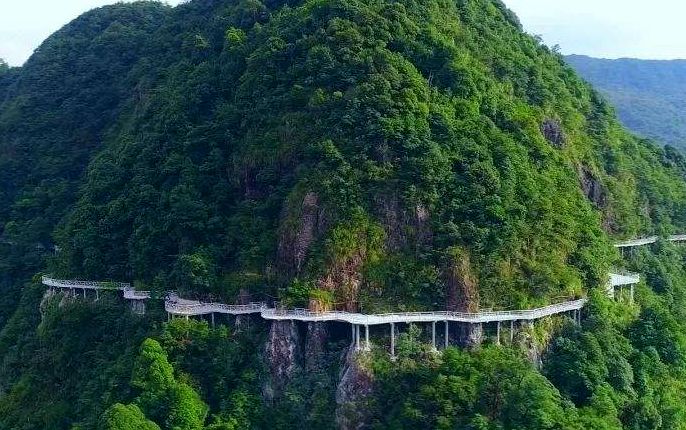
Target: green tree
[(126, 417)]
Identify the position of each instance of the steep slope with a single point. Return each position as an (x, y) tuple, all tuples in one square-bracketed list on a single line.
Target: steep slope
[(363, 155), (649, 95), (54, 115), (323, 148)]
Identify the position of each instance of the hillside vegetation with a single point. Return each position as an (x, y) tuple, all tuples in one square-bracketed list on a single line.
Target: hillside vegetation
[(648, 94), (371, 155)]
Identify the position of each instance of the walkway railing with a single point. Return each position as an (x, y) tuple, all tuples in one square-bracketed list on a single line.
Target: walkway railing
[(89, 285), (649, 240), (177, 306), (412, 317), (129, 292)]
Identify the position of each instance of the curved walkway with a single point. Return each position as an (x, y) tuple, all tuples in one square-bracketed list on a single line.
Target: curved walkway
[(129, 292), (649, 240), (176, 305)]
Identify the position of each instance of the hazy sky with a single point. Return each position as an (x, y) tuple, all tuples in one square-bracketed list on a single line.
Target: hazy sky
[(24, 24), (608, 28), (601, 28)]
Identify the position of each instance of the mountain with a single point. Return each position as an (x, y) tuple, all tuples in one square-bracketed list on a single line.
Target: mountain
[(650, 95), (366, 156)]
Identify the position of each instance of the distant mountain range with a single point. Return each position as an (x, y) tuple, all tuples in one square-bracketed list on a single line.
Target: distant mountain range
[(650, 95)]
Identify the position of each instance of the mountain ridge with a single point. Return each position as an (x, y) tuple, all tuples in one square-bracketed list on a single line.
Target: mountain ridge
[(372, 156), (648, 94)]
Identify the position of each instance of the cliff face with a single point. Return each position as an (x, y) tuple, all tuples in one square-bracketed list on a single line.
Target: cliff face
[(284, 357), (261, 159), (353, 393)]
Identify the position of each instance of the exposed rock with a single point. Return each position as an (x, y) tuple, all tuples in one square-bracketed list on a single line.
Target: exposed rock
[(47, 296), (138, 307), (528, 344), (345, 278), (463, 296), (552, 131), (315, 345), (593, 189), (388, 208), (423, 233), (402, 226), (352, 394), (463, 292), (469, 335), (297, 236), (283, 355)]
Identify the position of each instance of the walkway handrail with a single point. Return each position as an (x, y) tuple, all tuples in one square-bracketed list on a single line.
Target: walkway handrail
[(62, 283), (406, 317), (178, 306), (649, 240)]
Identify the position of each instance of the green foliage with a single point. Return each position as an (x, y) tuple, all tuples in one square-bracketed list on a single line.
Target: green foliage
[(340, 150), (491, 389), (65, 359), (648, 94), (121, 417), (163, 398)]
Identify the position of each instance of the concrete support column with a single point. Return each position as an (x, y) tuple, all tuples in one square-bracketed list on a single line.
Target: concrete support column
[(366, 337), (97, 295), (393, 341), (352, 326), (446, 333), (497, 340), (511, 331), (212, 316), (631, 295), (186, 317), (433, 334), (357, 337)]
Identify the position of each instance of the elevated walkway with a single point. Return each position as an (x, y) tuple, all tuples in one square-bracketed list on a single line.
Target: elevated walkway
[(632, 243)]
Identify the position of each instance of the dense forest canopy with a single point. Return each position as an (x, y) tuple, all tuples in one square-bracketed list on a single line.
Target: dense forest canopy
[(648, 94), (374, 155)]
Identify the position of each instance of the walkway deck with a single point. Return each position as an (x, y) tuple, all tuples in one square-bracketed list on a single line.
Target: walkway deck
[(176, 305), (649, 240), (128, 292)]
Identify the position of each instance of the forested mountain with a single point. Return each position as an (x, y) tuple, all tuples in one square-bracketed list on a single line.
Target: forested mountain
[(650, 95), (372, 156)]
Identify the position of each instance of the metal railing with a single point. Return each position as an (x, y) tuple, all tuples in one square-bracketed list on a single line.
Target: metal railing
[(400, 317), (649, 240), (178, 306), (62, 283)]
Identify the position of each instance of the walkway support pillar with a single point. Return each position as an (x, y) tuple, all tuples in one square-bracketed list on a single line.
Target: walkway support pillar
[(433, 334), (392, 341), (353, 339), (631, 295), (357, 337), (97, 295), (511, 331), (212, 316), (84, 293), (497, 341), (446, 333), (366, 337)]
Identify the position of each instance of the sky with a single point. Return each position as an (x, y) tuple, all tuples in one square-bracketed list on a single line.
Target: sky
[(599, 28), (608, 28), (24, 24)]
